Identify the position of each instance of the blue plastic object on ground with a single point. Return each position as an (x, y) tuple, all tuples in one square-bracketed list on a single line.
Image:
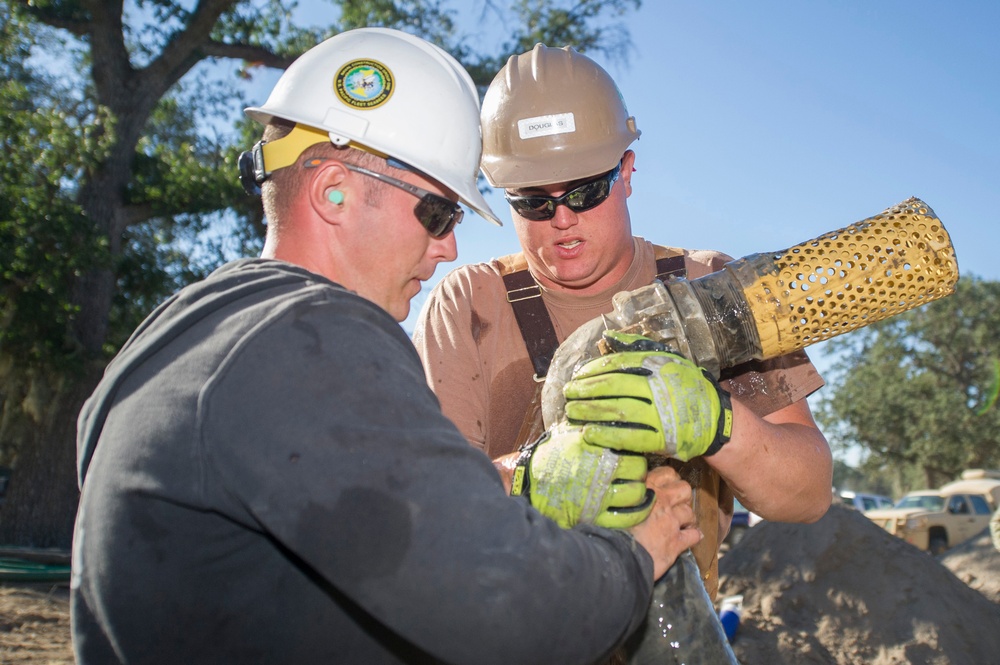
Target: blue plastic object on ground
[(730, 613)]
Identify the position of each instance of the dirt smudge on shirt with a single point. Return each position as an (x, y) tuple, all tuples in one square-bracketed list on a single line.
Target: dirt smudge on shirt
[(479, 327)]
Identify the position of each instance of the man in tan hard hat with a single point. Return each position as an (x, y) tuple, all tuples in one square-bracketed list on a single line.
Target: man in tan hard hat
[(556, 137), (266, 476)]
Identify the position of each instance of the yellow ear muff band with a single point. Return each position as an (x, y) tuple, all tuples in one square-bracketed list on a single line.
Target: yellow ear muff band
[(285, 151)]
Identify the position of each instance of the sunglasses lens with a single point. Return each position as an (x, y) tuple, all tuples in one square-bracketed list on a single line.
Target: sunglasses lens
[(438, 215), (579, 199), (588, 196), (533, 208)]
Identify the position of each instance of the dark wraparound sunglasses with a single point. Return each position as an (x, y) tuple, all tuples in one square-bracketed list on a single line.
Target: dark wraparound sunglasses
[(434, 212), (591, 194)]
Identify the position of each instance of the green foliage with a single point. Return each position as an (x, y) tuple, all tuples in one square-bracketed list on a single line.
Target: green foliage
[(45, 242), (918, 391), (268, 25), (558, 24), (587, 25), (424, 17), (863, 479)]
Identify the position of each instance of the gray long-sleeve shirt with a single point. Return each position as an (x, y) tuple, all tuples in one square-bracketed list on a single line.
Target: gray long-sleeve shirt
[(267, 478)]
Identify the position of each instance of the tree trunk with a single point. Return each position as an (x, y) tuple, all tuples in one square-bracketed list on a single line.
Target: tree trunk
[(40, 408), (38, 430)]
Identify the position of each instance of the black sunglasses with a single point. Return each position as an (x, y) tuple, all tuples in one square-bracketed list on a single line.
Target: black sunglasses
[(583, 197), (434, 212)]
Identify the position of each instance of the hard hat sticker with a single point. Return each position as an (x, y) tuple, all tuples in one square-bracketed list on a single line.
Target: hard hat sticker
[(546, 125), (364, 84)]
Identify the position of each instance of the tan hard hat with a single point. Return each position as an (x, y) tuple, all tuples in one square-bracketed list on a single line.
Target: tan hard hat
[(552, 115)]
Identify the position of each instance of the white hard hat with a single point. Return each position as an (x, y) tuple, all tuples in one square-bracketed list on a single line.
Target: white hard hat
[(394, 93)]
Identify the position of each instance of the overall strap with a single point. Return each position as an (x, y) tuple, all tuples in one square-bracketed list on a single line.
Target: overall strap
[(669, 263), (535, 324), (525, 298)]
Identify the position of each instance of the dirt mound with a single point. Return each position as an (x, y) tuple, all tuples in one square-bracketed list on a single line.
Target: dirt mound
[(977, 563), (844, 591)]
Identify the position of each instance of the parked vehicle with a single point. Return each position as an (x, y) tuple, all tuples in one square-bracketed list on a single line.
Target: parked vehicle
[(979, 481), (864, 502), (743, 519), (935, 520)]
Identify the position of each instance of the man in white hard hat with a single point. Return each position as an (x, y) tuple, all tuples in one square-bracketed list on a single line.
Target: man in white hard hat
[(266, 476), (556, 137)]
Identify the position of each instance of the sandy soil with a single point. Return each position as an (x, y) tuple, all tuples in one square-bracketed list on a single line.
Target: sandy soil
[(842, 591), (838, 592), (977, 563), (34, 624)]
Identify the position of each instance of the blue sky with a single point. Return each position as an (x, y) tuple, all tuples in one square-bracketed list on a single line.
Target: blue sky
[(768, 123)]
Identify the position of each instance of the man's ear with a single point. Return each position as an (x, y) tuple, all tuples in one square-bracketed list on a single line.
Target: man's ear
[(327, 191), (628, 165)]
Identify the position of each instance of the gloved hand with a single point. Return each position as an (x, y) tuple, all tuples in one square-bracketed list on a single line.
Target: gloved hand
[(572, 481), (644, 399)]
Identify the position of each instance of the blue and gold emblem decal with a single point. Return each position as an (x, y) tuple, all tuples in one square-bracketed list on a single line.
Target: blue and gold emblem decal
[(364, 84)]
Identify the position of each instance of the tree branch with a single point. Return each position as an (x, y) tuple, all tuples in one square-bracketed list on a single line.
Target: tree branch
[(248, 52), (75, 22), (112, 66), (185, 48), (137, 213)]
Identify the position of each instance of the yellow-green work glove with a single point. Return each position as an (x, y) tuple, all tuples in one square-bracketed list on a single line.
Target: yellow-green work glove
[(572, 481), (643, 399)]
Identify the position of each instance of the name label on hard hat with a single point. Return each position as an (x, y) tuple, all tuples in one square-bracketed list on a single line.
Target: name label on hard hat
[(546, 125), (364, 84)]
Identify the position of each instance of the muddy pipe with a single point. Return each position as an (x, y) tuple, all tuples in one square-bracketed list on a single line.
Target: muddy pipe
[(766, 305)]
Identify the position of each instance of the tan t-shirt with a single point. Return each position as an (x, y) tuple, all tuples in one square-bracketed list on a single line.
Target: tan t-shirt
[(477, 364)]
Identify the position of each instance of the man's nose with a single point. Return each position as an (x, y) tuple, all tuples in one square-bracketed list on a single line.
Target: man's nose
[(444, 250), (564, 218)]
